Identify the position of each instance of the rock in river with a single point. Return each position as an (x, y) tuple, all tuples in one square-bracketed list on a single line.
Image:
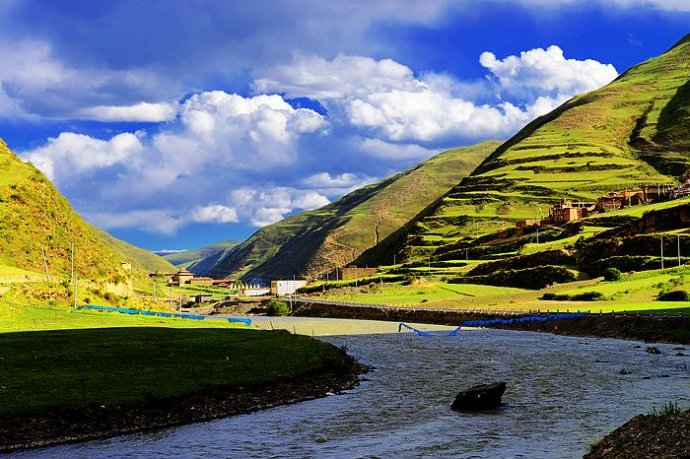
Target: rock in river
[(479, 397)]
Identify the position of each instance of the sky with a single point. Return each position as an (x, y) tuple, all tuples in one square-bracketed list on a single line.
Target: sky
[(176, 124)]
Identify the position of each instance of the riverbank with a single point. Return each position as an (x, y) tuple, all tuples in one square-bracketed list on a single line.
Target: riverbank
[(640, 327), (75, 385), (646, 436)]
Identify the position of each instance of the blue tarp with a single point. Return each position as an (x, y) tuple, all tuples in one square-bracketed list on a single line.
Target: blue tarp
[(484, 323), (93, 307), (243, 320)]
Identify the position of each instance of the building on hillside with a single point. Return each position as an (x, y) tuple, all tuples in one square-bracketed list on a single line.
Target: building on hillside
[(224, 283), (126, 265), (354, 272), (658, 192), (568, 211), (286, 287), (181, 277), (620, 199)]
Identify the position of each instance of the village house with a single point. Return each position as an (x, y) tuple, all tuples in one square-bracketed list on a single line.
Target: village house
[(568, 211), (286, 287), (126, 265), (620, 199), (181, 277)]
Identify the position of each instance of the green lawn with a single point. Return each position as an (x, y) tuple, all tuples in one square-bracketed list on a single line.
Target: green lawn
[(55, 369)]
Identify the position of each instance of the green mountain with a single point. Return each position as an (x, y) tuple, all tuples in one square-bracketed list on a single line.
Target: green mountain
[(634, 131), (317, 241), (188, 257), (150, 262), (35, 219)]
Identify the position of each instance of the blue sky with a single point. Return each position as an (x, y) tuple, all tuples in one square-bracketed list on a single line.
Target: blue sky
[(177, 124)]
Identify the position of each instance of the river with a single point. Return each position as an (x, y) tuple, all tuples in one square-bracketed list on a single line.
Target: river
[(564, 393)]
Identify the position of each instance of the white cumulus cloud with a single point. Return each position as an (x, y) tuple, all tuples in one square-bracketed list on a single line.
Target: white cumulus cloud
[(218, 142), (262, 207), (547, 70), (69, 155), (395, 105), (214, 213), (142, 112)]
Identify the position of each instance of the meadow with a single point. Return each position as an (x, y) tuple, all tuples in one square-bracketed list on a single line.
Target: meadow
[(634, 292), (54, 369)]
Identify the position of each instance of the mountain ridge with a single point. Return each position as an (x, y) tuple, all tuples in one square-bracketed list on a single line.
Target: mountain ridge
[(314, 242)]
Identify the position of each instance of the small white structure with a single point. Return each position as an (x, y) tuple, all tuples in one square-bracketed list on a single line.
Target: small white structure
[(255, 291), (286, 287)]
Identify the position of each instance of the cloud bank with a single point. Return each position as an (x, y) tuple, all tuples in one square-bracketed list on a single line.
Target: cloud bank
[(225, 158)]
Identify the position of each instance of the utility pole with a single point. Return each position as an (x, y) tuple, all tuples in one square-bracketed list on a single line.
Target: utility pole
[(537, 234), (467, 256), (678, 238), (155, 297), (76, 290), (662, 252), (72, 262), (170, 297), (382, 298), (45, 264)]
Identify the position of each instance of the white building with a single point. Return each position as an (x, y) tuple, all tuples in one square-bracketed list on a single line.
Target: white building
[(286, 287)]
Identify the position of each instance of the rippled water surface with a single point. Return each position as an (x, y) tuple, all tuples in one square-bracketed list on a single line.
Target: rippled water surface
[(563, 394)]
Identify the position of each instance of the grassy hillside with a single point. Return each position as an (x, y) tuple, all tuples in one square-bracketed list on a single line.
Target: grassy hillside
[(317, 241), (634, 131), (145, 259), (188, 257), (34, 216)]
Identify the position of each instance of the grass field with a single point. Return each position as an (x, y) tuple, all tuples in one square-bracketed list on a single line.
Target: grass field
[(43, 370), (634, 292)]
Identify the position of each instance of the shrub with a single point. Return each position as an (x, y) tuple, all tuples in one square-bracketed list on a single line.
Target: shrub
[(612, 275), (584, 296), (587, 296), (277, 308), (674, 295), (530, 278), (110, 296), (670, 409)]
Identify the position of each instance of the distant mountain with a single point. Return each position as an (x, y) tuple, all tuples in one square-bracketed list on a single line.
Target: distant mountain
[(35, 219), (317, 241), (187, 257), (634, 131)]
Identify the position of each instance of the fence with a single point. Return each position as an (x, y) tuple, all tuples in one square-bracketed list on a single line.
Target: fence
[(495, 312)]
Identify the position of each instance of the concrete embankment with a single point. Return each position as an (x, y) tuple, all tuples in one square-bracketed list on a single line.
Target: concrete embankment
[(646, 327)]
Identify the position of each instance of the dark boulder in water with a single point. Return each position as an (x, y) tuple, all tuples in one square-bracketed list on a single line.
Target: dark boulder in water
[(480, 397)]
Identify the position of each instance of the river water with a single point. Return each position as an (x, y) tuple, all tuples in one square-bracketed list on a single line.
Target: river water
[(564, 393)]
